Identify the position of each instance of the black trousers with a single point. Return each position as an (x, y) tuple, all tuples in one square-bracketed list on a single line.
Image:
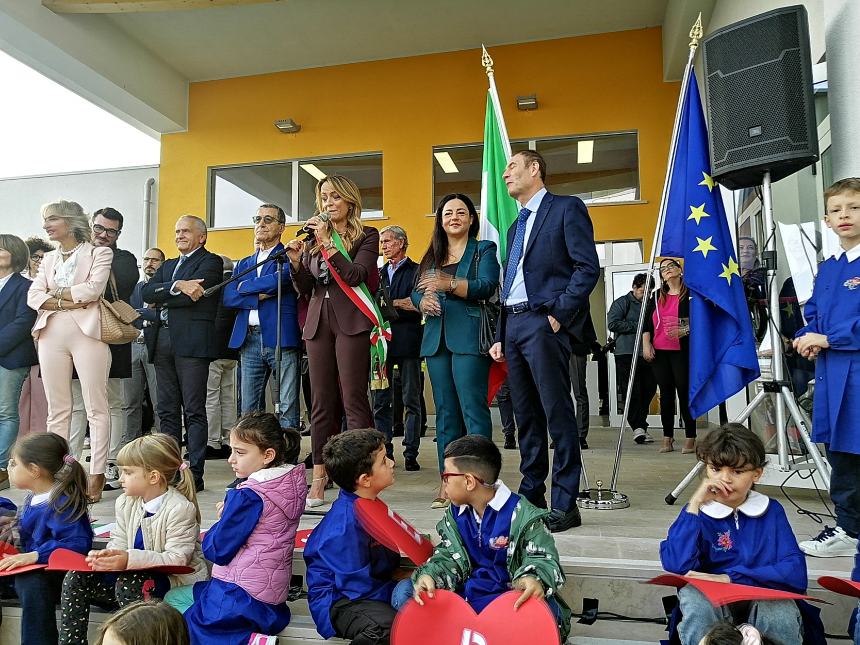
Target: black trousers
[(182, 389), (672, 369), (845, 489), (363, 622), (506, 410), (644, 388), (409, 371)]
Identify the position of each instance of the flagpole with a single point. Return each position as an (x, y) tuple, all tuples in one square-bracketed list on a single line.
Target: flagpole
[(487, 62), (696, 33)]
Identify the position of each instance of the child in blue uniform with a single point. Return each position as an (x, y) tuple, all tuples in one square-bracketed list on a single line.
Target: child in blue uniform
[(350, 574), (832, 334), (492, 540), (728, 532), (252, 543), (53, 517)]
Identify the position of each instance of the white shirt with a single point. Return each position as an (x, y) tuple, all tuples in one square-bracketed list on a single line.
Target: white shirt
[(503, 494), (851, 255), (153, 505), (64, 270), (254, 314), (173, 291), (518, 288), (4, 281)]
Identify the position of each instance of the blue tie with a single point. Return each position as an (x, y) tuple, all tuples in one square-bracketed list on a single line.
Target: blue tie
[(182, 259), (516, 252)]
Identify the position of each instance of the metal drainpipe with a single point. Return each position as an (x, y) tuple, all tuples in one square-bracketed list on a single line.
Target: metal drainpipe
[(147, 211)]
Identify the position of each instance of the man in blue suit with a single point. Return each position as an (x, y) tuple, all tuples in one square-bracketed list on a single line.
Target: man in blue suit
[(551, 270), (255, 329)]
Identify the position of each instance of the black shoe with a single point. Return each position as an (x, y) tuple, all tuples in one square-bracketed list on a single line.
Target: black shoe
[(198, 486), (232, 485), (309, 461), (412, 464), (583, 444), (216, 453), (510, 443), (561, 521)]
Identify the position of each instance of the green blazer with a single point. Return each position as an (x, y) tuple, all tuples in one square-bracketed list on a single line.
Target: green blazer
[(461, 317)]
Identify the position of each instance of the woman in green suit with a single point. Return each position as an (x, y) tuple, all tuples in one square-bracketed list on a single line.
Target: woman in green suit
[(456, 273)]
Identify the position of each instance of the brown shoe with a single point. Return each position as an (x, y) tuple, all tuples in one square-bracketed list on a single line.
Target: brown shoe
[(689, 446), (95, 485), (668, 445)]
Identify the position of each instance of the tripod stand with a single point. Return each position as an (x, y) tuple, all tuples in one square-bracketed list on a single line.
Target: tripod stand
[(784, 399)]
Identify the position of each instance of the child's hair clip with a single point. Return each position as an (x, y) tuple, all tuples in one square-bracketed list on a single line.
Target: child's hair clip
[(183, 466), (69, 459)]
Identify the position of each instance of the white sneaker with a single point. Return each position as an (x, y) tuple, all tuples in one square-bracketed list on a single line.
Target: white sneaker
[(111, 472), (832, 542), (640, 436)]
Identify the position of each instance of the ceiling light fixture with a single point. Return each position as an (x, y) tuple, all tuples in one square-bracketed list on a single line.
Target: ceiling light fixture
[(585, 151), (313, 170), (287, 126), (527, 102), (448, 165)]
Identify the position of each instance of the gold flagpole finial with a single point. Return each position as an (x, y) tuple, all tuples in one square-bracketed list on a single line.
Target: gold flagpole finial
[(486, 60), (696, 32)]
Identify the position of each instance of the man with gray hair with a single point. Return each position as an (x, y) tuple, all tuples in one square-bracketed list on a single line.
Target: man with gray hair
[(182, 343), (396, 280)]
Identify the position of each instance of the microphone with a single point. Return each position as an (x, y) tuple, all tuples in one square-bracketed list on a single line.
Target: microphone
[(304, 230)]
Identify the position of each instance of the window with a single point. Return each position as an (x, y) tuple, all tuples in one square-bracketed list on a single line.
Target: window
[(596, 168), (237, 191)]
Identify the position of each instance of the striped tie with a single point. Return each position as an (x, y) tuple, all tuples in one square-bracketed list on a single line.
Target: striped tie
[(516, 252)]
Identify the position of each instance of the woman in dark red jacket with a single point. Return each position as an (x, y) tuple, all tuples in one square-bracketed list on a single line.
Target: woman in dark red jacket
[(336, 332)]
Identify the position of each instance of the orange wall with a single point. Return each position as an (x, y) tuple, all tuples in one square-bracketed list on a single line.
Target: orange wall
[(403, 107)]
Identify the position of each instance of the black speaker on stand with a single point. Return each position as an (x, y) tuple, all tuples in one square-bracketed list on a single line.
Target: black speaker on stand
[(759, 98)]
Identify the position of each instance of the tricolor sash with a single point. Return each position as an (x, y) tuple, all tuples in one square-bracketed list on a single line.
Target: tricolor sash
[(380, 333)]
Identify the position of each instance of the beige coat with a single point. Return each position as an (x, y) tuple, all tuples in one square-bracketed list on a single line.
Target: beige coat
[(170, 537), (91, 275)]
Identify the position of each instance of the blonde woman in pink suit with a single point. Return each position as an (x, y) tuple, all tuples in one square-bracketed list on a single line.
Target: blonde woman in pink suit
[(65, 294)]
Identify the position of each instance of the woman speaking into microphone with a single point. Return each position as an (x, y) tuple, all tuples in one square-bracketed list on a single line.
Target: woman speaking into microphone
[(336, 267)]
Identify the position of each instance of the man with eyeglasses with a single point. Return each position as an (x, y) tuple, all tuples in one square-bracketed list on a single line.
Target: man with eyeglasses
[(255, 330), (142, 371), (107, 228)]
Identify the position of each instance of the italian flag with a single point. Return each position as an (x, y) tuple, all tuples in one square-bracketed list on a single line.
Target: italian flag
[(498, 209)]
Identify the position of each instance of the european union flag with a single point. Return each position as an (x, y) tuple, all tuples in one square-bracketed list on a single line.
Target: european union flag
[(722, 347)]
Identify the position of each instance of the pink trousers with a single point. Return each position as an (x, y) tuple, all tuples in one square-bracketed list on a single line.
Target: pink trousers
[(62, 345)]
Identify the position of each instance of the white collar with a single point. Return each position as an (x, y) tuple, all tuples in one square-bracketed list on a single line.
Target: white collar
[(754, 506), (188, 255), (41, 498), (153, 505), (264, 253), (534, 203), (852, 255), (268, 474), (503, 494)]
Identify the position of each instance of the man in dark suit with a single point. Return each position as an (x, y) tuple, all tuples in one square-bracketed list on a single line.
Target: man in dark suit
[(551, 269), (396, 280), (182, 343)]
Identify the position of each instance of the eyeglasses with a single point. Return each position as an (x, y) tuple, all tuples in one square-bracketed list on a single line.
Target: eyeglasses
[(98, 229), (671, 265), (445, 477), (266, 219), (145, 259), (37, 258)]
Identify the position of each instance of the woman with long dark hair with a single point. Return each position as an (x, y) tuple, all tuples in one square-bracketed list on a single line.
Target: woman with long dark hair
[(456, 273), (666, 344), (331, 269)]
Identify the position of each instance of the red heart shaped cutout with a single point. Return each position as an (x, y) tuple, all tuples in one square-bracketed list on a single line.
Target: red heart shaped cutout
[(842, 586), (392, 530), (302, 538), (447, 619)]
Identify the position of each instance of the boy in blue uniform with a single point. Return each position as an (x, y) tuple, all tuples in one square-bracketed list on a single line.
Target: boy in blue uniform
[(728, 532), (833, 336), (349, 574), (492, 540)]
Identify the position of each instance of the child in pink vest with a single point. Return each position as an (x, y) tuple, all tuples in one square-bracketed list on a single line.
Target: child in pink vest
[(251, 545)]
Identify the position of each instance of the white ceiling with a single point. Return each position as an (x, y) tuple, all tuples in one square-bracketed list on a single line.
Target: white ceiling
[(222, 42)]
